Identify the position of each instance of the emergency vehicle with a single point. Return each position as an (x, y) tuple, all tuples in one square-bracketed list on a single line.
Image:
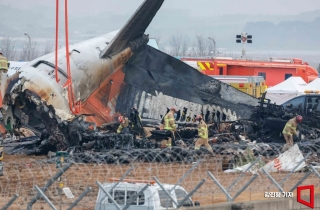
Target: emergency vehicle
[(307, 104), (252, 85), (152, 198), (273, 70)]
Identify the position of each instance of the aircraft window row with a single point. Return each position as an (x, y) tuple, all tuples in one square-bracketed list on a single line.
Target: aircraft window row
[(15, 68)]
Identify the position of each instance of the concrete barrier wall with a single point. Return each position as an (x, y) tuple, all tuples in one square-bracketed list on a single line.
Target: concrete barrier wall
[(271, 204)]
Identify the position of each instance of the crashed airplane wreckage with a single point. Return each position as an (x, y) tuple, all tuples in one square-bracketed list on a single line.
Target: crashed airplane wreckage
[(76, 103), (95, 78)]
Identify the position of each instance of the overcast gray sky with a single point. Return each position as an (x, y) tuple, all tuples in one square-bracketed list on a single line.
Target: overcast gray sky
[(199, 7)]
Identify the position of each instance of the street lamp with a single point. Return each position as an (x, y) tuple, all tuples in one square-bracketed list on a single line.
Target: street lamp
[(29, 47), (214, 45)]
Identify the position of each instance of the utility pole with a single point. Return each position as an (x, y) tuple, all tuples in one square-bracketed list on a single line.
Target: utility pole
[(29, 47), (214, 45), (244, 38)]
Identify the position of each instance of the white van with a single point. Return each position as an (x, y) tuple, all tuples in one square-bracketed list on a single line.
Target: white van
[(153, 198)]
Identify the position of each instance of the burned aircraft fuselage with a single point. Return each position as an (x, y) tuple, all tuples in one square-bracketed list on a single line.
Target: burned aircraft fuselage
[(96, 81), (100, 88)]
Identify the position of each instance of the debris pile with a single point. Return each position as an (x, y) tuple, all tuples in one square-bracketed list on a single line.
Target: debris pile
[(261, 134)]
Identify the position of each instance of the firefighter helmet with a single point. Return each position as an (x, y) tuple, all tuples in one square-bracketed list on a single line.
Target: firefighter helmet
[(199, 117), (173, 109), (121, 119), (299, 119)]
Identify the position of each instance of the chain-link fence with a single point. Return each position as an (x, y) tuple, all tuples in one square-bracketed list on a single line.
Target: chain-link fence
[(40, 183)]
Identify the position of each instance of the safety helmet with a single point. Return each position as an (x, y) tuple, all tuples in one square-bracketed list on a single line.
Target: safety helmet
[(199, 117), (299, 118), (173, 109), (121, 119)]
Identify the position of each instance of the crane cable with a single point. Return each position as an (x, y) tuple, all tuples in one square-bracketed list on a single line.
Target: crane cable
[(74, 107), (57, 38)]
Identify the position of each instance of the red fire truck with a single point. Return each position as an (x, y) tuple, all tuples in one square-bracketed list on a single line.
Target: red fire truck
[(274, 71)]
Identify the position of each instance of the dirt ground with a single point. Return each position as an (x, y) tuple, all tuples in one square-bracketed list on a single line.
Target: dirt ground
[(22, 173)]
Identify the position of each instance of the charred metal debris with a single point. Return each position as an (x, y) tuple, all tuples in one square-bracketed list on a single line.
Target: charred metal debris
[(261, 133)]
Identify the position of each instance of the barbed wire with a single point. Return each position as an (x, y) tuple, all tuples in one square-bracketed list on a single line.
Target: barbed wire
[(22, 173)]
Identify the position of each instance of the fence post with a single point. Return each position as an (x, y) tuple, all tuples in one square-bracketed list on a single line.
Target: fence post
[(229, 198), (123, 176), (288, 175), (45, 197), (186, 174), (116, 184), (192, 192), (84, 193), (49, 183), (300, 181), (315, 171), (242, 174), (135, 197), (245, 186), (10, 202), (274, 181), (168, 194), (108, 195)]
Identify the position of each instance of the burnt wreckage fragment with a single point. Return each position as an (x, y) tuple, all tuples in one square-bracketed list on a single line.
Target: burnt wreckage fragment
[(263, 122)]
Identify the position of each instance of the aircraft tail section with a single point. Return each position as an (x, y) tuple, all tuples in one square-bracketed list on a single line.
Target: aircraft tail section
[(134, 28), (153, 71)]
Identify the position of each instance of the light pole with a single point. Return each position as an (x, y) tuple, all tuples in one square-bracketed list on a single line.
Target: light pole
[(244, 38), (214, 45), (29, 47)]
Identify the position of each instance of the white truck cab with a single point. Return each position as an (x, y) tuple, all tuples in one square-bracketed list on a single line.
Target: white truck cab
[(152, 198)]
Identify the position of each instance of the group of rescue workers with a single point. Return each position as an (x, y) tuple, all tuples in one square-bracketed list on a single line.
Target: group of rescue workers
[(168, 123)]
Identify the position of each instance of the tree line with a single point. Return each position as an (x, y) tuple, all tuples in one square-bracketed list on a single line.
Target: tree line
[(178, 45), (27, 52), (182, 45)]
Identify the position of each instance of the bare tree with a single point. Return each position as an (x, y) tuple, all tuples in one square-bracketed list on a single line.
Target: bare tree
[(185, 46), (179, 45), (29, 50), (7, 47), (176, 43), (48, 47), (201, 46), (159, 42)]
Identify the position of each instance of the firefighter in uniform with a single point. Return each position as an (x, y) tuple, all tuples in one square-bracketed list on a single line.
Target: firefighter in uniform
[(124, 125), (1, 157), (170, 125), (203, 135), (4, 64), (289, 130)]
